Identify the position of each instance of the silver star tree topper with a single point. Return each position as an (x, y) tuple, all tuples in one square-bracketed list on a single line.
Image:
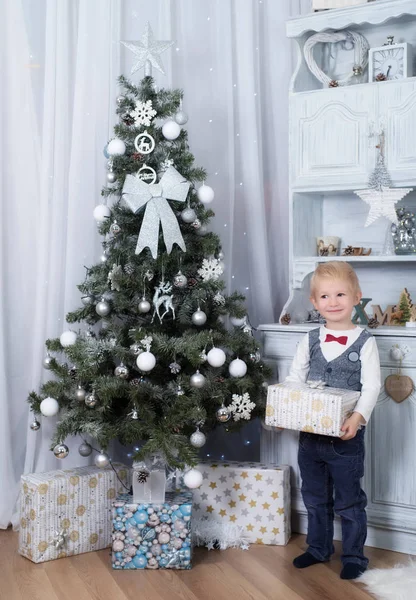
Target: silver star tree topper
[(148, 52)]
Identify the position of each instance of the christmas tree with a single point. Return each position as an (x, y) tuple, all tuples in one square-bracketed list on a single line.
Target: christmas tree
[(405, 306), (151, 358)]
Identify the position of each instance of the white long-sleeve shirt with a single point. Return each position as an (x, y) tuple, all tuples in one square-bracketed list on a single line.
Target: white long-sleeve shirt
[(370, 364)]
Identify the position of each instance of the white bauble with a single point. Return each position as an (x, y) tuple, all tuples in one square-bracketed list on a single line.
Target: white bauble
[(237, 321), (144, 306), (192, 479), (116, 147), (197, 439), (68, 338), (199, 318), (205, 194), (237, 368), (171, 130), (146, 361), (49, 407), (101, 213), (216, 357), (101, 460)]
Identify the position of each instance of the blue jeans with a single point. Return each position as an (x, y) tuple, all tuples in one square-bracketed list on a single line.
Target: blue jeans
[(328, 464)]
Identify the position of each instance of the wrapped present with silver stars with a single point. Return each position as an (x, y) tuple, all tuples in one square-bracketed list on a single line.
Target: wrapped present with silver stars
[(68, 512), (255, 497), (309, 406)]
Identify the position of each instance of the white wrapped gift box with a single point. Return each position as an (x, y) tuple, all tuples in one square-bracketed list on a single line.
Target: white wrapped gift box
[(68, 512), (253, 496), (313, 409)]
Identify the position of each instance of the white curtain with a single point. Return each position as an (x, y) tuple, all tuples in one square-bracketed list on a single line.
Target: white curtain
[(233, 61)]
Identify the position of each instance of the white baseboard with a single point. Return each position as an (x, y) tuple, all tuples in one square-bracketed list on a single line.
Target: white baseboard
[(377, 537)]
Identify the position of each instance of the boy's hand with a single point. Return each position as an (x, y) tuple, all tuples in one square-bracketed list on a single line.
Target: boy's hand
[(350, 426)]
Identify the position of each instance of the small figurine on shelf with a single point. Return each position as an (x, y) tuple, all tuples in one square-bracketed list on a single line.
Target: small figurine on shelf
[(315, 317)]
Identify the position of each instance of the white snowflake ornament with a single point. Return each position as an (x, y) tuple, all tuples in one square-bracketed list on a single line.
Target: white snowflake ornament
[(211, 269), (241, 407), (143, 113), (113, 275)]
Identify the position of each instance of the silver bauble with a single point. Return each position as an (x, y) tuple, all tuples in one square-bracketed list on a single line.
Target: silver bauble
[(180, 280), (104, 257), (121, 371), (188, 215), (87, 300), (102, 308), (35, 425), (196, 224), (181, 117), (47, 361), (91, 400), (202, 230), (61, 450), (120, 100), (111, 177), (144, 306), (223, 414), (197, 380), (115, 228), (80, 394), (101, 460), (255, 356), (85, 449), (199, 318), (197, 439)]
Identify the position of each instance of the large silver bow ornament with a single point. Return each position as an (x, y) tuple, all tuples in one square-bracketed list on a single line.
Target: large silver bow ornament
[(137, 194)]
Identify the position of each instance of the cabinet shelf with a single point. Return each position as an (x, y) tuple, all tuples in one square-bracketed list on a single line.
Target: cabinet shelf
[(360, 259), (342, 18)]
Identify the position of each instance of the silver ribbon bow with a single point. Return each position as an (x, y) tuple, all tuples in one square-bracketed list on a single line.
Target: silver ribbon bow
[(316, 385), (60, 538), (137, 194)]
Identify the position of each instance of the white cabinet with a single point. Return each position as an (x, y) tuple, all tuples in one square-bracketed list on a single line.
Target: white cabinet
[(397, 110), (330, 133), (332, 151)]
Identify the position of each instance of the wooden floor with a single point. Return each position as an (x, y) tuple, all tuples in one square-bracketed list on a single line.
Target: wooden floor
[(262, 572)]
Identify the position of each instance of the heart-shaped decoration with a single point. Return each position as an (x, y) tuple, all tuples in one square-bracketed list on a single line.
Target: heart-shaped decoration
[(398, 387)]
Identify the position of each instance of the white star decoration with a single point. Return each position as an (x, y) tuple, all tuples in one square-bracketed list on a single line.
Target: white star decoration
[(382, 202), (148, 51)]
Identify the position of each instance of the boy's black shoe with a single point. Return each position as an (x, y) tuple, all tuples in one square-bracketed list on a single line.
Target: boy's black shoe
[(351, 571), (305, 560)]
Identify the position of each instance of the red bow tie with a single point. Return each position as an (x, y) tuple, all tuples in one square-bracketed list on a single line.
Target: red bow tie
[(342, 339)]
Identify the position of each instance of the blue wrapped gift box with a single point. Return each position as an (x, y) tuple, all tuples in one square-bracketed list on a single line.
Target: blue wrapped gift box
[(152, 536)]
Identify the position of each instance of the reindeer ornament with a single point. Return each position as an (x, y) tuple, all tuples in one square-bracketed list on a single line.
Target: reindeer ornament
[(162, 297)]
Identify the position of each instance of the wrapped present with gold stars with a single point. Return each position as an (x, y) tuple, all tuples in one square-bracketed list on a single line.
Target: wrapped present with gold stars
[(253, 496), (309, 406), (68, 512)]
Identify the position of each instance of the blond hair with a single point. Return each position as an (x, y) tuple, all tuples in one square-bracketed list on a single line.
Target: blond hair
[(335, 269)]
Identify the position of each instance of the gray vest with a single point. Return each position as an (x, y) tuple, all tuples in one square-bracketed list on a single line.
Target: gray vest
[(344, 371)]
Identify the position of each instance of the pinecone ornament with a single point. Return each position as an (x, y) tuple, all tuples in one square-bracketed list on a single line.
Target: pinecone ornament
[(137, 156), (381, 77), (285, 320), (142, 476), (348, 251), (373, 323), (333, 83)]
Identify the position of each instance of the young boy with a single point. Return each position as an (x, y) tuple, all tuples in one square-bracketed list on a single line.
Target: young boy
[(344, 356)]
